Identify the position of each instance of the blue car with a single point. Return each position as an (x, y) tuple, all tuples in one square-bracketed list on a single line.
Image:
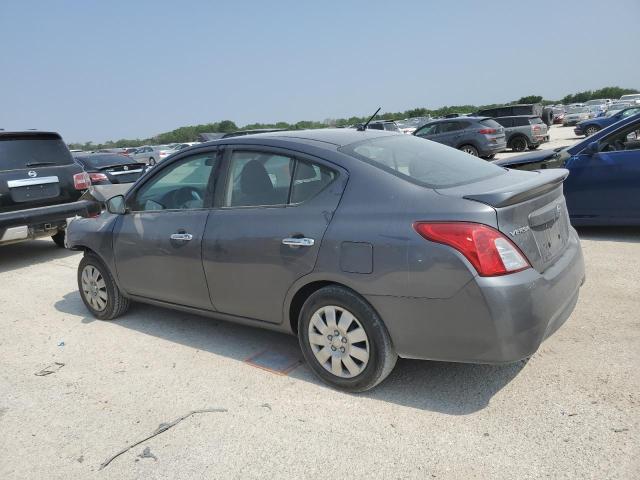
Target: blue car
[(603, 187), (593, 125)]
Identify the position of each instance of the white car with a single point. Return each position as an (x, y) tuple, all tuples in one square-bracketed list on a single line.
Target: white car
[(631, 98), (146, 154), (575, 115), (616, 107), (165, 152)]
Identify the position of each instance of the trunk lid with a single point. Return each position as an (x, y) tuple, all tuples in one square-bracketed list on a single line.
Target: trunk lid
[(530, 211)]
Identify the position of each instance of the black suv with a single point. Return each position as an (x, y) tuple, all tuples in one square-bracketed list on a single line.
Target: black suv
[(40, 186)]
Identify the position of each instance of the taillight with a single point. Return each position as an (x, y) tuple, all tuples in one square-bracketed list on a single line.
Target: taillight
[(488, 250), (488, 131), (81, 181), (98, 177), (536, 128)]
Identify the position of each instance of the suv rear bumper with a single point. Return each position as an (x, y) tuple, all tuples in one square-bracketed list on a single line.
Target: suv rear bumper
[(41, 221)]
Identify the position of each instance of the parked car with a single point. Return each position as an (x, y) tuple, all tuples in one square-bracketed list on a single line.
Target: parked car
[(617, 106), (146, 154), (524, 131), (165, 152), (603, 187), (534, 109), (633, 98), (575, 115), (367, 245), (593, 125), (410, 125), (128, 151), (40, 185), (388, 125), (558, 114), (106, 168), (477, 136)]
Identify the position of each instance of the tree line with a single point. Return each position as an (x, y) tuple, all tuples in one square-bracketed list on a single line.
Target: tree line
[(190, 133)]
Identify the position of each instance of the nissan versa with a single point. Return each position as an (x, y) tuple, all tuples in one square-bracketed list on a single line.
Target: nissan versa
[(367, 245)]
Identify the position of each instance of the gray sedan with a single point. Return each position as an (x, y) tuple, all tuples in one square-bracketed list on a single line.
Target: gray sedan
[(367, 245)]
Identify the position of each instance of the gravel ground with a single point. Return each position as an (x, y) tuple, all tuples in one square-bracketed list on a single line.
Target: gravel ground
[(572, 411)]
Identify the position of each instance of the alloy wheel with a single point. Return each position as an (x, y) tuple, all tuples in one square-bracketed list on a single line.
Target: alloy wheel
[(339, 341), (94, 288)]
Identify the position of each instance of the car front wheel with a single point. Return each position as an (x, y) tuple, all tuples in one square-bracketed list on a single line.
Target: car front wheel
[(344, 341), (98, 290), (591, 130)]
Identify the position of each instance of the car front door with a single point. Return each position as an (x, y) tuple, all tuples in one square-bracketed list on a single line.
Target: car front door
[(274, 211), (158, 242), (606, 184)]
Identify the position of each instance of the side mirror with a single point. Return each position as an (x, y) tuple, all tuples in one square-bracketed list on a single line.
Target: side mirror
[(117, 205), (592, 149)]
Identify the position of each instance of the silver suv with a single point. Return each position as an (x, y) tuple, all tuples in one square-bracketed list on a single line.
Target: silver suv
[(524, 131)]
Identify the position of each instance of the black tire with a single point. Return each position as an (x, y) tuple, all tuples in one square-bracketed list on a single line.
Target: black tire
[(533, 147), (590, 130), (58, 238), (382, 356), (116, 303), (489, 157), (152, 161), (519, 144), (470, 149)]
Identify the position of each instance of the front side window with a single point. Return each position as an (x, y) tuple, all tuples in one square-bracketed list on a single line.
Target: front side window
[(432, 129), (180, 186), (626, 139), (258, 179), (629, 112)]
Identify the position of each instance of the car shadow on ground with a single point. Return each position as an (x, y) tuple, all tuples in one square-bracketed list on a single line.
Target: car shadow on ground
[(610, 234), (20, 255), (450, 388)]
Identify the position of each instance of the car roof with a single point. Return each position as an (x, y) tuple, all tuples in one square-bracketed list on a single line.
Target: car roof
[(331, 136), (516, 116), (462, 118)]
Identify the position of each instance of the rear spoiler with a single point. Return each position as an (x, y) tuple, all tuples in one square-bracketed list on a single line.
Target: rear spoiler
[(534, 186)]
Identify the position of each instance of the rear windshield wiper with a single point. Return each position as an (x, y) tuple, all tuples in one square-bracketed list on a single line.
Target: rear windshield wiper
[(36, 164)]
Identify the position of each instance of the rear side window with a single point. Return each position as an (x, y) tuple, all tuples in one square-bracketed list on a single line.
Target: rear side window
[(421, 161), (309, 180), (521, 122), (489, 123), (505, 122), (30, 151)]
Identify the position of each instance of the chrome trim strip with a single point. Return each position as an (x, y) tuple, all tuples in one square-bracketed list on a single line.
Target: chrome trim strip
[(25, 182), (125, 172), (15, 233)]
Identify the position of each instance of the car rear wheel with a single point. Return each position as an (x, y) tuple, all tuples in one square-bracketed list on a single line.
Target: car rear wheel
[(470, 149), (519, 144), (489, 157), (344, 341), (58, 238), (98, 290), (533, 147), (591, 130), (152, 161)]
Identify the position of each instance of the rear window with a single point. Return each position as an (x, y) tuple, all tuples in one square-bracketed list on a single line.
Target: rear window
[(422, 161), (29, 151), (100, 161), (535, 120)]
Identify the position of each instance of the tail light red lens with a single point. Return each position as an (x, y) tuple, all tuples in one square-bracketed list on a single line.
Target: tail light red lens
[(487, 249), (98, 177), (81, 181), (488, 131)]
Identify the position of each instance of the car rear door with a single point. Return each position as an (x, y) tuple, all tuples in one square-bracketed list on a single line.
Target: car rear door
[(275, 208), (158, 242)]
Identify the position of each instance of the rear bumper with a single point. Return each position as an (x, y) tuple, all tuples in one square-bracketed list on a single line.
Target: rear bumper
[(490, 320), (492, 148), (540, 139), (41, 221)]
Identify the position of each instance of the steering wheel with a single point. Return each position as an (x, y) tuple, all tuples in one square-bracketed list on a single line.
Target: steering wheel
[(183, 196)]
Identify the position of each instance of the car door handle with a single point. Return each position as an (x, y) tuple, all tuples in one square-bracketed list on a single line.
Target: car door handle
[(185, 237), (298, 242)]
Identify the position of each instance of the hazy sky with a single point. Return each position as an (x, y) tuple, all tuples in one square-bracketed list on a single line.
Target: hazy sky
[(99, 70)]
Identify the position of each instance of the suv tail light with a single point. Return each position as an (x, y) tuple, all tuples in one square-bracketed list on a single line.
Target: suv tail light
[(537, 128), (98, 177), (81, 181), (488, 131), (488, 250)]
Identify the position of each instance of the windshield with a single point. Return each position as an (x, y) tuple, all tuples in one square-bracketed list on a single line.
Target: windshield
[(27, 151), (421, 161)]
